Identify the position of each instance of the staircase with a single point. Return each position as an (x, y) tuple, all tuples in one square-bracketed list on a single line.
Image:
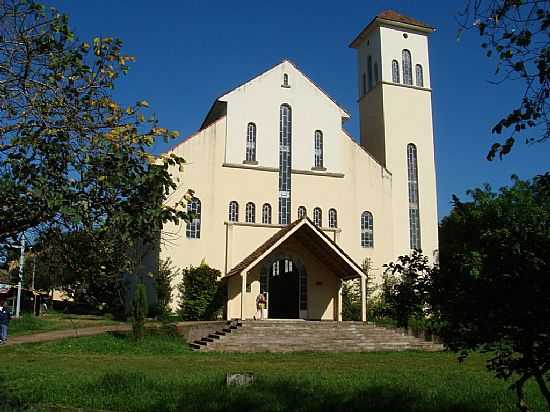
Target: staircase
[(309, 336)]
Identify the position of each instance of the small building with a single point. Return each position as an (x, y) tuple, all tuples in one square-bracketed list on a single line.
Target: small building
[(287, 202)]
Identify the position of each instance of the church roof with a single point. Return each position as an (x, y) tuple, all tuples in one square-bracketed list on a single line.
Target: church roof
[(391, 16), (219, 107), (327, 249)]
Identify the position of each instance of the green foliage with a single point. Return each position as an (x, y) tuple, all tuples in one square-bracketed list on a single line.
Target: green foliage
[(492, 292), (516, 33), (164, 276), (351, 301), (404, 290), (72, 159), (201, 294), (140, 308)]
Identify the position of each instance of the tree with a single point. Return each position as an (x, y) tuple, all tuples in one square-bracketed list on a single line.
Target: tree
[(492, 291), (516, 31), (201, 294), (405, 290), (72, 159), (139, 312), (164, 276)]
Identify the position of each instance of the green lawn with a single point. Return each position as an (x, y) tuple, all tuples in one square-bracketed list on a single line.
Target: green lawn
[(112, 373), (51, 321)]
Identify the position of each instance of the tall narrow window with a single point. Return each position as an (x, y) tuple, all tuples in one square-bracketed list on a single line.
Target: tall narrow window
[(250, 213), (367, 230), (419, 76), (407, 67), (375, 72), (414, 208), (318, 217), (251, 143), (193, 229), (395, 71), (369, 71), (332, 218), (318, 149), (285, 80), (285, 157), (364, 84), (266, 214), (233, 211), (302, 212)]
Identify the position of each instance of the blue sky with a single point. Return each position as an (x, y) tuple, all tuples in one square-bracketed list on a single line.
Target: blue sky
[(189, 52)]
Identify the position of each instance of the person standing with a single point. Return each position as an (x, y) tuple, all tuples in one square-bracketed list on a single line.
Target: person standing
[(260, 306), (5, 317)]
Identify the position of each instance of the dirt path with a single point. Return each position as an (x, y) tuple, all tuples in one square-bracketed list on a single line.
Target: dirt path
[(66, 333)]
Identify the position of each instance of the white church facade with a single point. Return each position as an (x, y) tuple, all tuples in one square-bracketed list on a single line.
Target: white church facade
[(288, 203)]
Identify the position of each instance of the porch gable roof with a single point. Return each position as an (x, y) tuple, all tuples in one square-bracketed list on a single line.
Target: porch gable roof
[(352, 269)]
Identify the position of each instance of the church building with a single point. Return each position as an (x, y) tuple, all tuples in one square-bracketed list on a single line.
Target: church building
[(288, 203)]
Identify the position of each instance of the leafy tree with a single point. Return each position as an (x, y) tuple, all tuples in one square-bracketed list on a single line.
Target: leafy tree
[(139, 312), (516, 31), (200, 293), (492, 292), (72, 159), (405, 287)]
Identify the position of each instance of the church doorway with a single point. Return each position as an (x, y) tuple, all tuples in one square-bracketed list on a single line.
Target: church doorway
[(284, 282)]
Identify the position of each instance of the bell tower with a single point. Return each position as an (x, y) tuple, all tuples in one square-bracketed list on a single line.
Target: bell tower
[(396, 125)]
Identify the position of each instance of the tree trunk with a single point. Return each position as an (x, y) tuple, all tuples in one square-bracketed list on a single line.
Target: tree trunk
[(539, 376), (522, 405)]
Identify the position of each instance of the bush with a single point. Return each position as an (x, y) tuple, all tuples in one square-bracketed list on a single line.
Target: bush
[(351, 301), (201, 294), (163, 277), (140, 312)]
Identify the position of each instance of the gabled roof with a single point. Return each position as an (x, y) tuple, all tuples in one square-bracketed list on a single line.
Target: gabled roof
[(219, 107), (346, 265), (395, 18)]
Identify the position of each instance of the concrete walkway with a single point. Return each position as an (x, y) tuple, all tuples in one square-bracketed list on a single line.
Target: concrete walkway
[(66, 333)]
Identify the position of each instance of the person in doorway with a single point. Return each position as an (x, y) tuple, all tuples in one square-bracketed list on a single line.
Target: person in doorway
[(260, 306), (5, 317)]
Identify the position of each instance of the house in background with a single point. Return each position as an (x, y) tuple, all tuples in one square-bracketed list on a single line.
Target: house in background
[(287, 202)]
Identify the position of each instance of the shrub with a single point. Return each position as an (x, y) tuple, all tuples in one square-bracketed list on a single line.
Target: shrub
[(201, 294), (163, 277), (140, 311)]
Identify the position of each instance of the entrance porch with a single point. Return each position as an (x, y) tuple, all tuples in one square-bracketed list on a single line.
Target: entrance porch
[(300, 270)]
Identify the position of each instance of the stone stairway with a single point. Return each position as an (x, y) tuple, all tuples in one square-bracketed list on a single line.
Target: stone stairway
[(309, 336)]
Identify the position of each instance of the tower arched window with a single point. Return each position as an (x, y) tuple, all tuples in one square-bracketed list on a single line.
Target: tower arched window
[(375, 72), (285, 159), (407, 67), (414, 207), (367, 230), (193, 229), (318, 149), (332, 218), (369, 71), (302, 212), (250, 213), (251, 142), (318, 217), (395, 71), (285, 80), (266, 214), (233, 211), (419, 76)]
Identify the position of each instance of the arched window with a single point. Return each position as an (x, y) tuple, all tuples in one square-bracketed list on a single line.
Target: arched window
[(251, 143), (395, 71), (193, 229), (369, 71), (407, 67), (318, 149), (419, 76), (233, 211), (414, 208), (285, 150), (250, 213), (367, 230), (285, 80), (375, 72), (332, 218), (266, 214), (318, 217), (302, 212)]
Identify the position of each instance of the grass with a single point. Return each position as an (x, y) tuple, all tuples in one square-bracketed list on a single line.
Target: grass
[(28, 324), (111, 372)]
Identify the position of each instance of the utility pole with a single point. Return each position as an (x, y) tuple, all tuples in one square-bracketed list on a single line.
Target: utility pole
[(21, 264)]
